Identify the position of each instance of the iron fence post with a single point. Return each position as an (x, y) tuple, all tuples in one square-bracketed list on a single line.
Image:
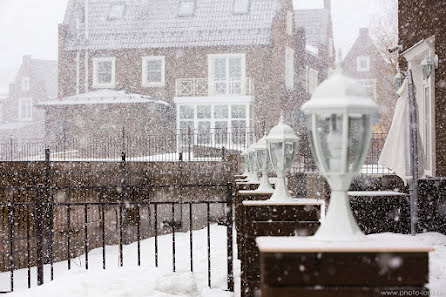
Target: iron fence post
[(229, 230), (39, 234)]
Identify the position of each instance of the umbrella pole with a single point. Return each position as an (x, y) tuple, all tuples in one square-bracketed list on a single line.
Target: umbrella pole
[(413, 137)]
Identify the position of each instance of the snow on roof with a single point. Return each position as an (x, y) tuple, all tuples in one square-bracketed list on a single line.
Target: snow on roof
[(158, 24), (103, 97), (315, 22)]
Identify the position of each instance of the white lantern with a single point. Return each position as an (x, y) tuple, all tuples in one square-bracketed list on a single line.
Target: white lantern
[(340, 115), (263, 163), (245, 161), (254, 171), (282, 147)]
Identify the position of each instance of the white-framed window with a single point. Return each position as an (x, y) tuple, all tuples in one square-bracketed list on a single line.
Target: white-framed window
[(116, 12), (213, 123), (240, 6), (25, 109), (313, 80), (104, 72), (363, 63), (289, 23), (227, 74), (25, 83), (369, 87), (289, 68), (427, 123), (187, 8), (153, 71)]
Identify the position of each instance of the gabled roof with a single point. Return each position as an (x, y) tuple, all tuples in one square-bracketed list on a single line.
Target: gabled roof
[(103, 97), (45, 71), (157, 24), (316, 25)]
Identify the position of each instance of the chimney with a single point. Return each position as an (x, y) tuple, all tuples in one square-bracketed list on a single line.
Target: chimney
[(363, 31), (327, 4)]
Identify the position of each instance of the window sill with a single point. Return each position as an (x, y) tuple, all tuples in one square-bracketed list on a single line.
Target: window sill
[(154, 85), (104, 86)]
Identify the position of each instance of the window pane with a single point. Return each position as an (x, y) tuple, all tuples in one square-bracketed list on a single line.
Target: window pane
[(238, 111), (186, 112), (220, 111), (186, 125), (204, 132), (221, 132), (235, 68), (154, 70), (220, 69), (105, 71), (116, 12), (187, 8), (204, 111)]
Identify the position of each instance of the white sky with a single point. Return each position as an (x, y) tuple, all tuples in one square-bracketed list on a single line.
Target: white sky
[(29, 27)]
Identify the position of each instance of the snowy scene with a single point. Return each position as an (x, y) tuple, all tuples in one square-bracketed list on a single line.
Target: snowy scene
[(245, 148)]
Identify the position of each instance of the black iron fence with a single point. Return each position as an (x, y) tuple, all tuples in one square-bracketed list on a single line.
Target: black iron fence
[(185, 145), (41, 225)]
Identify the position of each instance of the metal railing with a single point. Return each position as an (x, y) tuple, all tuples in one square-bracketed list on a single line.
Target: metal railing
[(192, 87), (183, 145), (38, 230)]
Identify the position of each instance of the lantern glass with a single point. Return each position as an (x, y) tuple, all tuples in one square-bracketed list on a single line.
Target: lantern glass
[(275, 153), (290, 153), (262, 158), (252, 160), (335, 151)]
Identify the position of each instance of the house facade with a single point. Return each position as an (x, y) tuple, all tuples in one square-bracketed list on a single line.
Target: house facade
[(422, 33), (35, 82), (316, 38), (366, 64), (225, 65)]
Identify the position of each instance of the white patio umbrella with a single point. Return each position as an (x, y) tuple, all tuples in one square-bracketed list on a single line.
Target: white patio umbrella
[(395, 154)]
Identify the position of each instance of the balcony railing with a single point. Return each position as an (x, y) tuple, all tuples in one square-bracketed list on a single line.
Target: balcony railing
[(196, 87)]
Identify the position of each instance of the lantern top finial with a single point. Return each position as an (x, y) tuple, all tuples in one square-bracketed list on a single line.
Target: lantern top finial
[(282, 132)]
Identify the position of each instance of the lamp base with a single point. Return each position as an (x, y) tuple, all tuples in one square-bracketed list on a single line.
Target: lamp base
[(265, 186), (281, 192), (339, 223)]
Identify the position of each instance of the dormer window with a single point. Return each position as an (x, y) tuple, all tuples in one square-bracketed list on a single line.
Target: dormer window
[(116, 12), (241, 6), (187, 8), (25, 84), (363, 64)]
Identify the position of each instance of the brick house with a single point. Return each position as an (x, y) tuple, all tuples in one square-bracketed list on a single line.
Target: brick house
[(365, 63), (422, 33), (223, 64), (35, 82), (317, 41)]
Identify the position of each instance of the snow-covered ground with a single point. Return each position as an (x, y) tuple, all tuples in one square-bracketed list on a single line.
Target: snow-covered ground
[(132, 280), (148, 281)]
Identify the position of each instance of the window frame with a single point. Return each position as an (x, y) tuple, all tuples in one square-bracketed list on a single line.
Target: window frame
[(211, 72), (25, 83), (358, 64), (96, 83), (241, 11), (429, 156), (183, 14), (21, 103), (144, 78)]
